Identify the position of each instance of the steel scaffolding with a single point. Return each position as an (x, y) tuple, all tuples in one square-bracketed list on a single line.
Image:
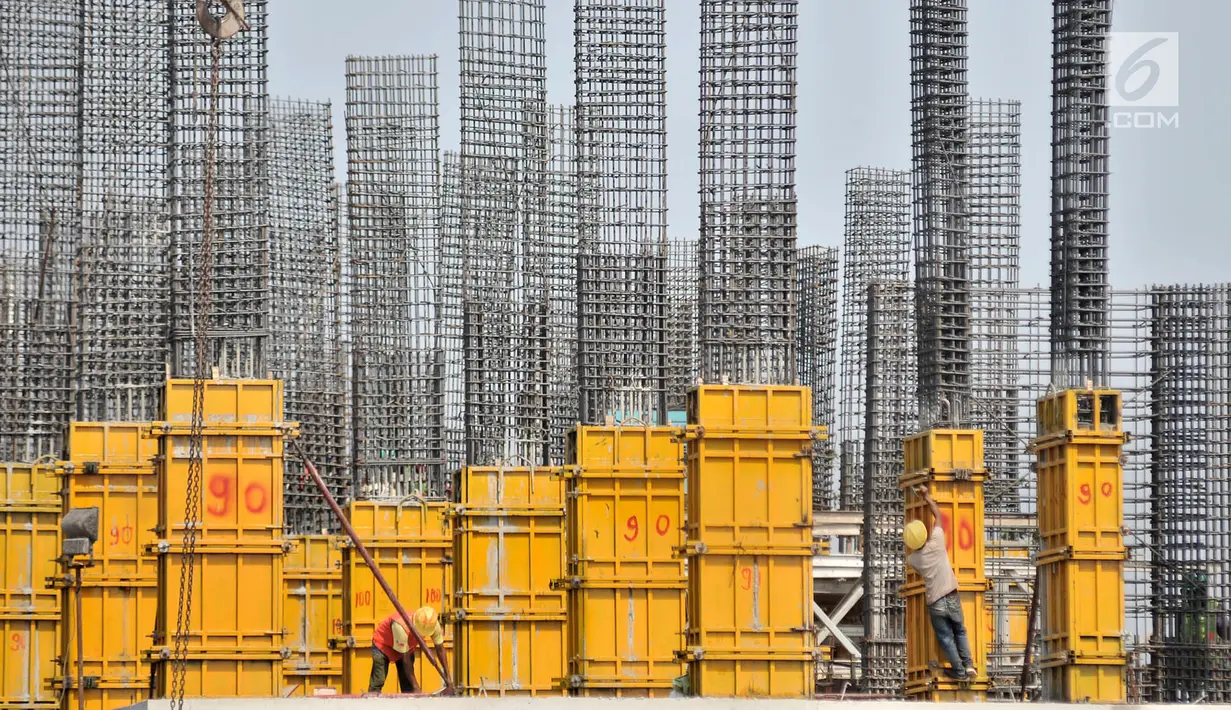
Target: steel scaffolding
[(817, 351), (940, 147), (562, 226), (393, 171), (748, 283), (876, 247), (504, 155), (305, 345), (621, 92), (240, 300), (683, 365)]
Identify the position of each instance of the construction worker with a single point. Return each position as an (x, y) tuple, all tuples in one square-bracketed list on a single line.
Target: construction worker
[(392, 643), (925, 545)]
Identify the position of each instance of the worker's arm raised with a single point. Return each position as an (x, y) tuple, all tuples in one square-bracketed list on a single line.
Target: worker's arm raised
[(935, 511)]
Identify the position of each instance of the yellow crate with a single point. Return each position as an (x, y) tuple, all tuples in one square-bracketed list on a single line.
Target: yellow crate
[(508, 563), (750, 407), (749, 492), (612, 449), (924, 661), (106, 694), (948, 691), (243, 589), (243, 402), (626, 526), (622, 634), (118, 444), (1081, 494), (1081, 606), (945, 451), (961, 511), (236, 673), (1095, 682), (306, 685), (28, 485), (1095, 411), (400, 521), (29, 545), (28, 663), (127, 502), (241, 487), (118, 619), (357, 668), (511, 656), (747, 601), (520, 487), (751, 674), (312, 578)]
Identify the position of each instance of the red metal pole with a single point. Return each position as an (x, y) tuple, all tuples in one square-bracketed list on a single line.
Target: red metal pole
[(363, 552)]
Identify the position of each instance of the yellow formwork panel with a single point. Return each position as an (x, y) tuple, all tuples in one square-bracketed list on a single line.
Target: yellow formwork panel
[(750, 407), (640, 689), (29, 485), (507, 563), (127, 501), (312, 578), (626, 526), (961, 513), (1081, 494), (520, 487), (612, 449), (625, 634), (243, 402), (106, 694), (748, 674), (31, 645), (118, 444), (511, 656), (1080, 411), (750, 601), (1081, 607), (749, 492), (945, 451), (242, 586), (925, 663), (238, 673), (241, 487), (29, 547), (118, 618), (1095, 682), (400, 521), (948, 691)]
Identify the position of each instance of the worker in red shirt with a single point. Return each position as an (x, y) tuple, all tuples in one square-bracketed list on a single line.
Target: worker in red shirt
[(392, 643)]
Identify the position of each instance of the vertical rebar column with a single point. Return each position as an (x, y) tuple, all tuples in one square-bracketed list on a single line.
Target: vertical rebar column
[(40, 169), (1079, 276), (876, 247), (561, 240), (123, 293), (818, 351), (393, 170), (305, 346), (240, 301), (682, 348), (1218, 464), (451, 311), (748, 87), (621, 90), (889, 417), (942, 240), (505, 270), (993, 203)]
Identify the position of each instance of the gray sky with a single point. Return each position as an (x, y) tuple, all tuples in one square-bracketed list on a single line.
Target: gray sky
[(1168, 184)]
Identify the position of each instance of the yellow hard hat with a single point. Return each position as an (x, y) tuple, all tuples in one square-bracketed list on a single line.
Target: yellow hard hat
[(915, 534), (401, 639), (425, 621)]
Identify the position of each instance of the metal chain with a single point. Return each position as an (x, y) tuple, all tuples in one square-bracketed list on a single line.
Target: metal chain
[(201, 323)]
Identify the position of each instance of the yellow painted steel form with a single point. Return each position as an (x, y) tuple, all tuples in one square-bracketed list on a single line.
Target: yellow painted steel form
[(1081, 568), (312, 580)]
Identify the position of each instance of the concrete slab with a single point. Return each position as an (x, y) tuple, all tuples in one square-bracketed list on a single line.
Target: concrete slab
[(351, 703)]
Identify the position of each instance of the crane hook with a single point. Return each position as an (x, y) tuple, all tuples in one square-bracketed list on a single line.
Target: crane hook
[(225, 27)]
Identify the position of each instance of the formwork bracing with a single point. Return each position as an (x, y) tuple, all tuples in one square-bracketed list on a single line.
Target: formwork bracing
[(239, 307), (818, 349), (890, 391), (748, 222), (305, 347), (940, 147), (123, 294), (393, 165), (621, 92), (504, 156), (993, 203), (876, 247), (39, 221), (682, 348), (1080, 289), (561, 230)]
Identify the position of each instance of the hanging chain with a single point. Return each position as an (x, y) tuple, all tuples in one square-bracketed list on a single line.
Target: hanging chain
[(196, 437)]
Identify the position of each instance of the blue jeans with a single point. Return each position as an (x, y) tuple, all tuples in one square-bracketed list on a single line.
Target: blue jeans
[(950, 629)]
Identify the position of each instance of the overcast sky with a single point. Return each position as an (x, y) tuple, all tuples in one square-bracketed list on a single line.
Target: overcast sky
[(1171, 186)]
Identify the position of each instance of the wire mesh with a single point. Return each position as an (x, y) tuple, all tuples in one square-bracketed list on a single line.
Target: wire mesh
[(817, 352), (683, 353), (562, 227)]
